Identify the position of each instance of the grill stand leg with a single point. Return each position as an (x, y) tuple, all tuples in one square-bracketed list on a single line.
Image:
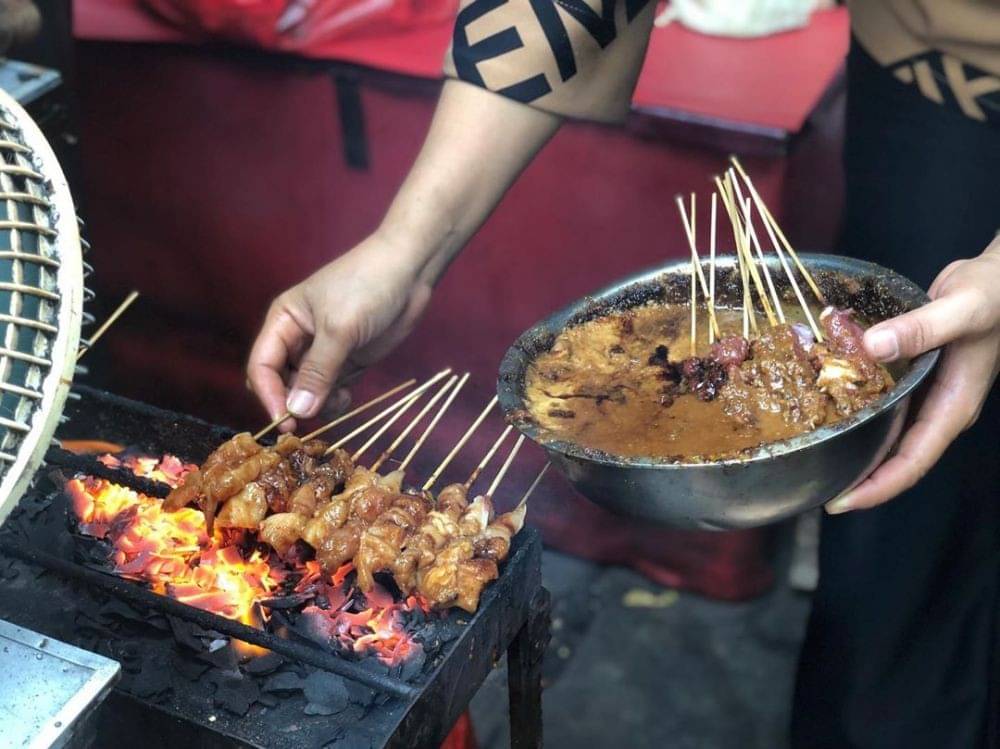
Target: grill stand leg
[(524, 675)]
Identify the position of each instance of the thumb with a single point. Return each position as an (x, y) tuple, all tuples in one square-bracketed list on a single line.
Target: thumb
[(929, 327), (316, 375)]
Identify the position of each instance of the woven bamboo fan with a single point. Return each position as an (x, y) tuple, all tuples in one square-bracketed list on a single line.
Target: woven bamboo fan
[(41, 298)]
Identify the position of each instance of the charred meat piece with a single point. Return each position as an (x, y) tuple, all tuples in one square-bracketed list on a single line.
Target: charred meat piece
[(246, 510), (438, 528), (494, 542), (702, 377), (281, 531), (233, 451), (382, 542), (730, 350)]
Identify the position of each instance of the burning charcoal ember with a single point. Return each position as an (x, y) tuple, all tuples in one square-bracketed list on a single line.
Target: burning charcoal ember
[(233, 692), (413, 666)]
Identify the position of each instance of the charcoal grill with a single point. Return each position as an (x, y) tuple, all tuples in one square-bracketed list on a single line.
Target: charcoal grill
[(396, 707)]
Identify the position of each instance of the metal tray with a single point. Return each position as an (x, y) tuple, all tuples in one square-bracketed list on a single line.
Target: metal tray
[(48, 687)]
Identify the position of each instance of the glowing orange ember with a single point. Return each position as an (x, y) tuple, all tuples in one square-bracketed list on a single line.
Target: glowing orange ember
[(172, 553), (169, 469)]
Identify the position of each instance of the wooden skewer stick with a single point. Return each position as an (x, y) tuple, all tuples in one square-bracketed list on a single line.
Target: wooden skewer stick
[(755, 243), (387, 411), (411, 399), (751, 274), (752, 266), (726, 193), (487, 458), (119, 311), (437, 417), (459, 445), (790, 275), (742, 211), (694, 294), (273, 424), (768, 217), (711, 272), (689, 232), (506, 464), (360, 409), (534, 484), (413, 423)]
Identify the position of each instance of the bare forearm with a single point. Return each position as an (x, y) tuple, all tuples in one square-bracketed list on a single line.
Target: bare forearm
[(477, 146)]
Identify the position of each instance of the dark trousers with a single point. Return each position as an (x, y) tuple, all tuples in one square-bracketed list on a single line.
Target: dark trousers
[(902, 645)]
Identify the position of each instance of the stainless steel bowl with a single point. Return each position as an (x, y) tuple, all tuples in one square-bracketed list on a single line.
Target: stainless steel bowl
[(777, 480)]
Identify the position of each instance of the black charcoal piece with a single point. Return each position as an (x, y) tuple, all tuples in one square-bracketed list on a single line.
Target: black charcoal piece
[(234, 692), (326, 692), (286, 681)]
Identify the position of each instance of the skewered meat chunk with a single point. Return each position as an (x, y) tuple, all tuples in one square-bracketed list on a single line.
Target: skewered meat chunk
[(246, 510), (778, 379), (319, 483), (278, 483), (730, 350), (456, 578), (282, 530), (382, 542), (438, 528), (233, 451), (338, 543), (494, 542)]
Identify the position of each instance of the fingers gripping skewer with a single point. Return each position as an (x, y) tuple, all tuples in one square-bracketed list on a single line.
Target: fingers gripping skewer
[(119, 311), (413, 423), (359, 410), (386, 412), (487, 458), (411, 399), (430, 427), (459, 445), (506, 464), (689, 232), (768, 218)]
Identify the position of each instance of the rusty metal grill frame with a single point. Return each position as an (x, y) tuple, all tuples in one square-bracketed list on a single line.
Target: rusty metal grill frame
[(41, 298)]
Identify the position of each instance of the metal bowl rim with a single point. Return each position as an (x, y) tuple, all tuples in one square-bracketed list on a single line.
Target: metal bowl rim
[(516, 360)]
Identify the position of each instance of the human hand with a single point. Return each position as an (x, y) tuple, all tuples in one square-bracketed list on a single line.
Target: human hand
[(964, 318), (347, 315)]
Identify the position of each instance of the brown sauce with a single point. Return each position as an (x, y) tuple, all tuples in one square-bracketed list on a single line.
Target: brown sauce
[(597, 387)]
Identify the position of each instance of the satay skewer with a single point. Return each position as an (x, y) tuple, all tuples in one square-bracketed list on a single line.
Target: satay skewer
[(755, 243), (768, 218), (112, 318), (534, 484), (726, 193), (359, 410), (413, 423), (741, 211), (487, 458), (689, 233), (459, 445), (694, 286), (411, 399), (387, 411), (711, 271), (506, 465), (434, 421), (288, 414)]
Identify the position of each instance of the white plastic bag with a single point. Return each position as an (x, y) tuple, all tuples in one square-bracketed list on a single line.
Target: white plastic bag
[(739, 18)]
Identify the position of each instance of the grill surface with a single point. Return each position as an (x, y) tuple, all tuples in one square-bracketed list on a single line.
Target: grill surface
[(41, 298)]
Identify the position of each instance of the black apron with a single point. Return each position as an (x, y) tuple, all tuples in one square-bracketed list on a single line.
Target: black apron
[(902, 644)]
